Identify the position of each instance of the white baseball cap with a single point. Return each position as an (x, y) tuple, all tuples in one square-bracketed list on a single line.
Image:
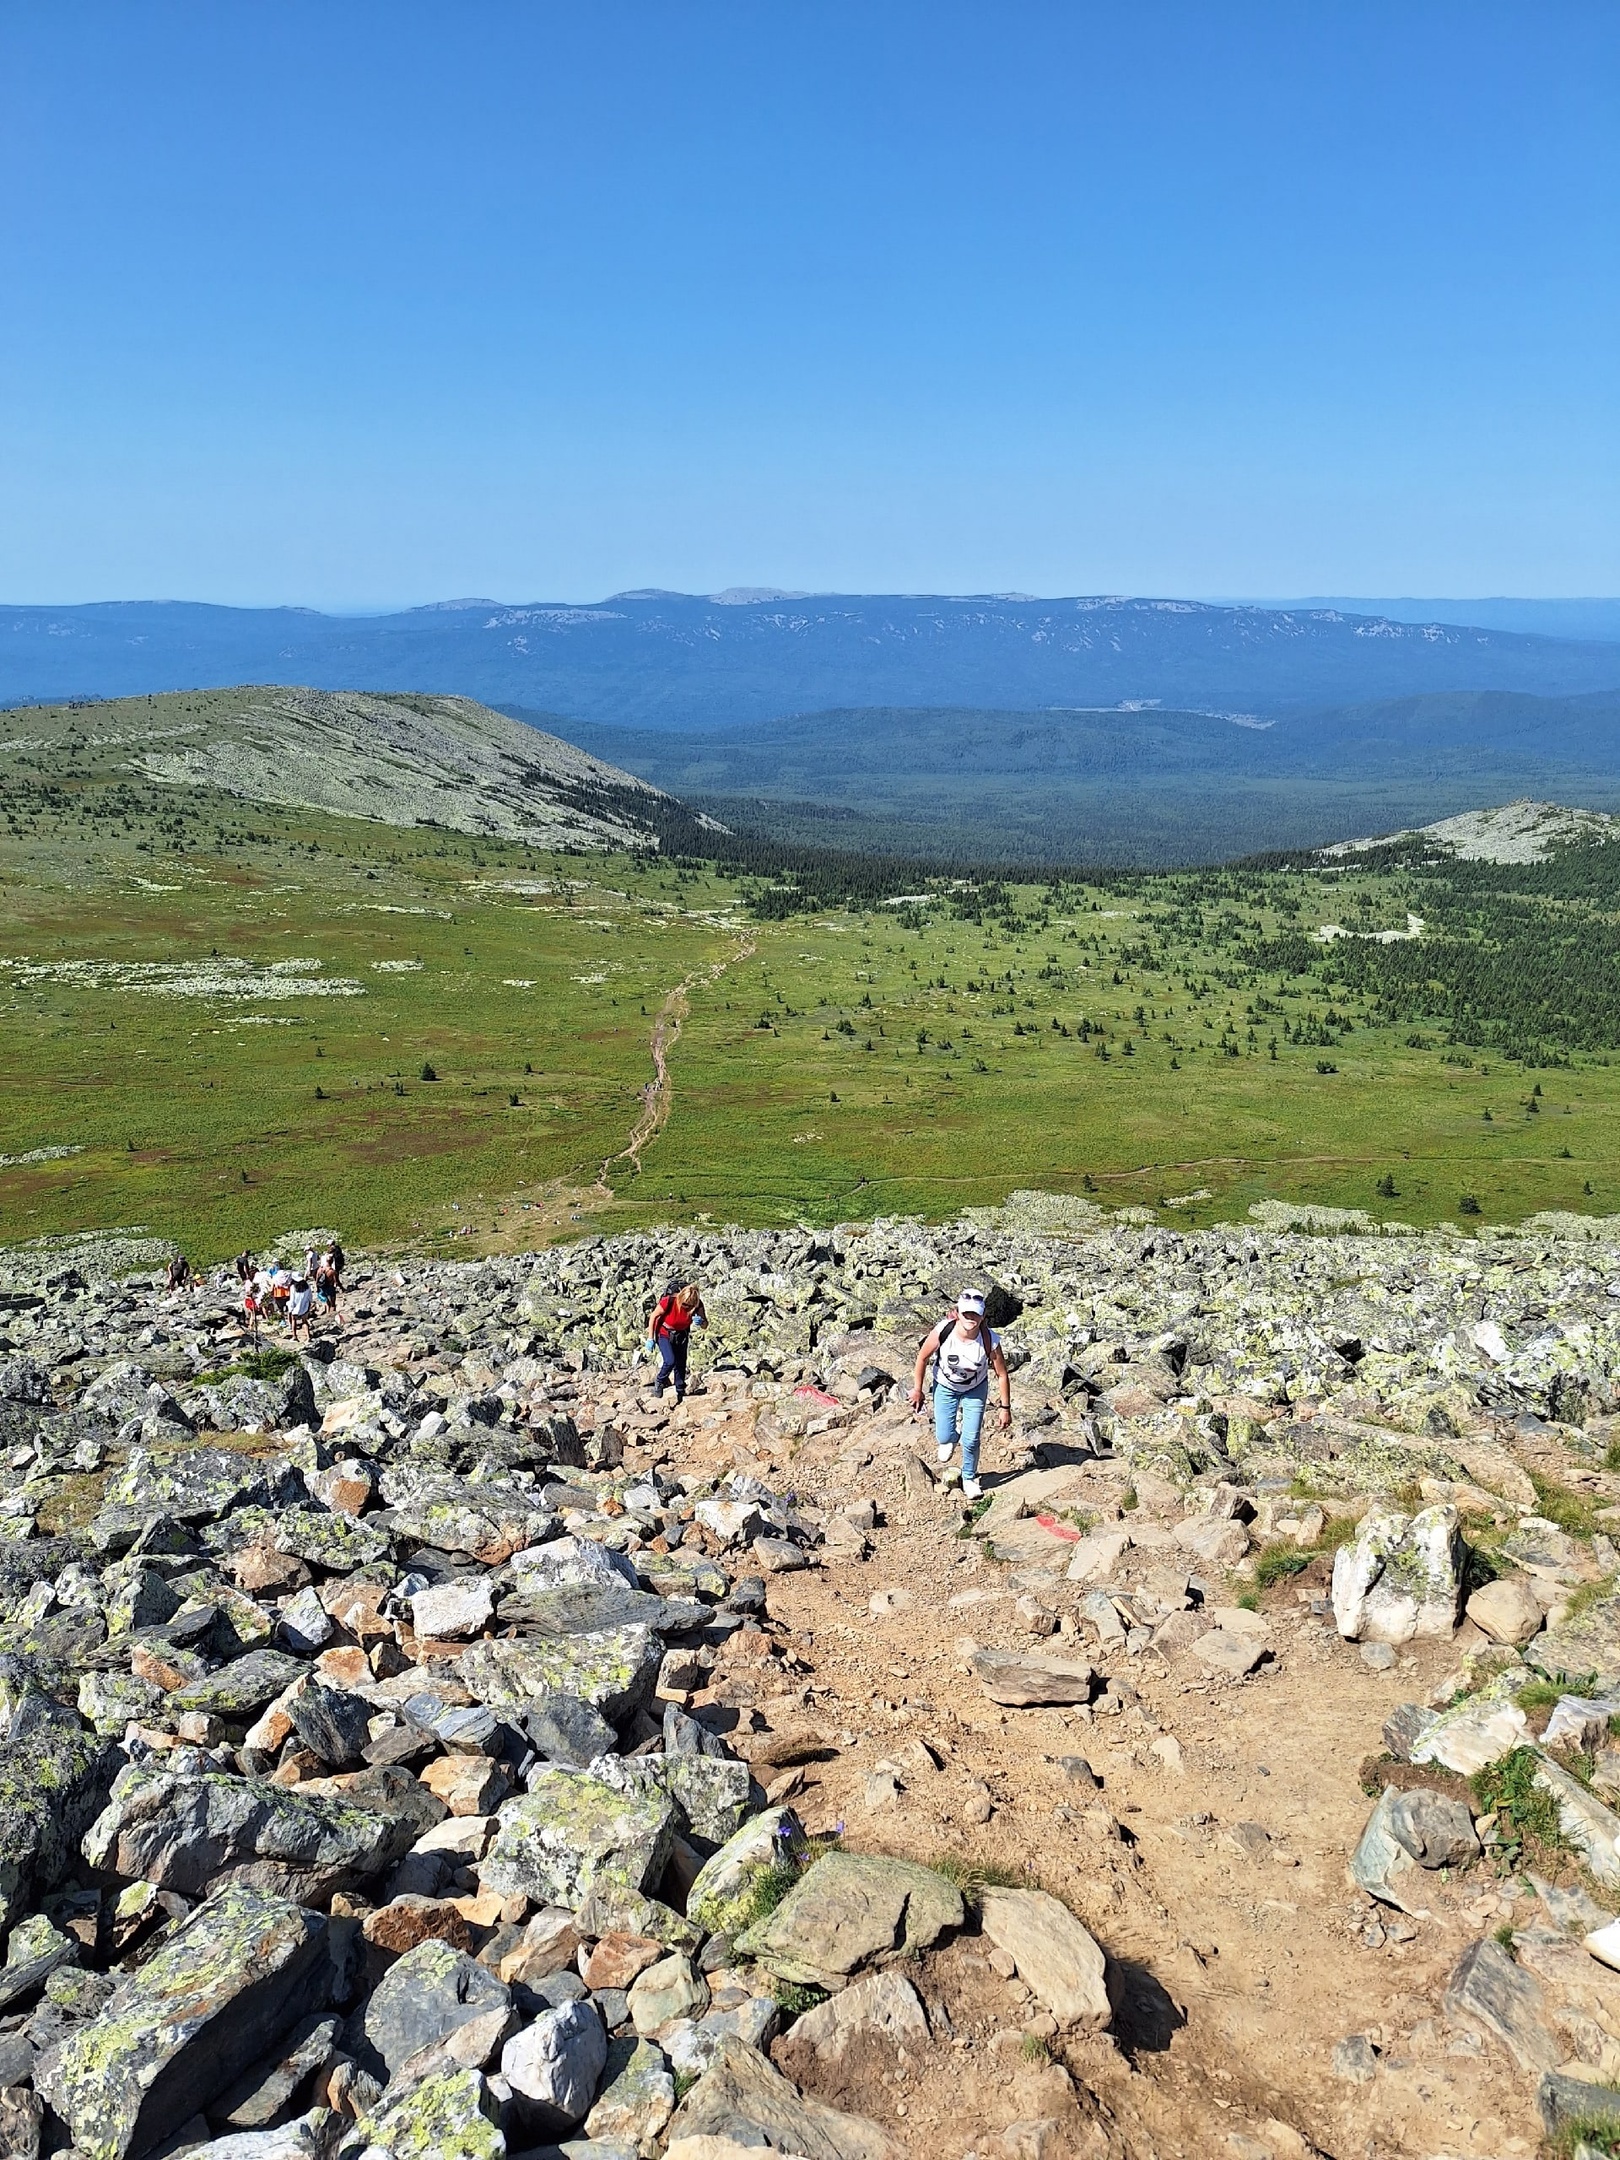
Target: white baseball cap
[(971, 1301)]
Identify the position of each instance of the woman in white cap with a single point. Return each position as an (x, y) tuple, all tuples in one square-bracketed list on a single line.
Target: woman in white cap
[(967, 1353)]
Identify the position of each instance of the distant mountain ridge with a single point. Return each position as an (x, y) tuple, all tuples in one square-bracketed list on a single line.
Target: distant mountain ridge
[(677, 662)]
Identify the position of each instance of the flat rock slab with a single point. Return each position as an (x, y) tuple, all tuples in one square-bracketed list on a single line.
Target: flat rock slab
[(1488, 1989), (611, 1670), (240, 1972), (1020, 1680), (1226, 1655), (188, 1833), (853, 1909), (1056, 1957), (572, 1834), (743, 2099), (883, 2006), (593, 1608)]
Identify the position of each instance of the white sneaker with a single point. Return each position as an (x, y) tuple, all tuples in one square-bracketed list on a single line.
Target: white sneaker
[(945, 1450), (971, 1488)]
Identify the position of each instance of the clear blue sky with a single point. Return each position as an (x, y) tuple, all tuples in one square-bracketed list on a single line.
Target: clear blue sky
[(367, 301)]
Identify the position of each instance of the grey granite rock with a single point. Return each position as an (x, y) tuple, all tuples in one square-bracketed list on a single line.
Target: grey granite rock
[(187, 1830), (180, 2030), (423, 1998)]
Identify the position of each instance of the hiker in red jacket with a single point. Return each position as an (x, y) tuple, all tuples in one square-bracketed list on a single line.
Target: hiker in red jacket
[(677, 1312)]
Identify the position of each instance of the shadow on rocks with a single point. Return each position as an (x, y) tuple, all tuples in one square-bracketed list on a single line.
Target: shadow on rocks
[(1146, 2017)]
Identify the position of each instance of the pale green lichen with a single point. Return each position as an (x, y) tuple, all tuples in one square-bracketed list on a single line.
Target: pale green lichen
[(611, 1669), (571, 1834), (441, 2118)]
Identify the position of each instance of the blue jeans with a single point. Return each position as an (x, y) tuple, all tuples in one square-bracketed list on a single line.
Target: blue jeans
[(946, 1406), (672, 1360)]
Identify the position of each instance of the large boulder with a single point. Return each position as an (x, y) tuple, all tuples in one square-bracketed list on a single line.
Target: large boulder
[(1402, 1577), (240, 1972), (573, 1833), (446, 2114), (553, 2067), (189, 1484), (188, 1831), (850, 1910), (612, 1670), (54, 1780), (423, 1998)]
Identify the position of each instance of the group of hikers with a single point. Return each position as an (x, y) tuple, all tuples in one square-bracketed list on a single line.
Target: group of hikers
[(964, 1350), (273, 1292)]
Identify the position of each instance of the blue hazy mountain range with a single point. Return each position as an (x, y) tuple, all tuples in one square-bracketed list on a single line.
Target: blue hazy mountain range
[(676, 662)]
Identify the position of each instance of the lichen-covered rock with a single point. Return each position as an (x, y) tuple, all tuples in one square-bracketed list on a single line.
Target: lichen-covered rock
[(573, 1833), (770, 1839), (108, 1701), (571, 1560), (191, 1485), (54, 1779), (850, 1910), (242, 1688), (710, 1792), (637, 2097), (188, 1831), (456, 1515), (243, 1404), (593, 1608), (448, 2114), (612, 1672), (1402, 1577), (181, 2029)]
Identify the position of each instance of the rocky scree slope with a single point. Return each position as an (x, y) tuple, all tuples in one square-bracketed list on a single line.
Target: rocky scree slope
[(401, 759), (423, 1745)]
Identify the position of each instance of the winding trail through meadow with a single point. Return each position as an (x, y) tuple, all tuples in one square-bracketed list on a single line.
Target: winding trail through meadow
[(658, 1096)]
